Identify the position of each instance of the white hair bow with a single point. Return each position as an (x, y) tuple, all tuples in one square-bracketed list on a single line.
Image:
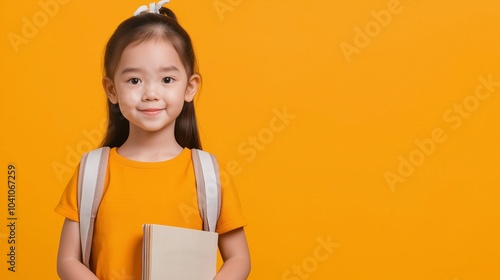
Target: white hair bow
[(153, 8)]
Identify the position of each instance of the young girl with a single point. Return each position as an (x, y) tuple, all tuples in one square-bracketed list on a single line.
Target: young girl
[(150, 79)]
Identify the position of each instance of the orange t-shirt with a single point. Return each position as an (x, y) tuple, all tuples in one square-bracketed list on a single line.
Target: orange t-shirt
[(138, 193)]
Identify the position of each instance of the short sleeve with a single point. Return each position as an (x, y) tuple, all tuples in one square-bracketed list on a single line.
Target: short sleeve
[(68, 204), (231, 215)]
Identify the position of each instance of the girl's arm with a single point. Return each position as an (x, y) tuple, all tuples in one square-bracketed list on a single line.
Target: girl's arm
[(234, 251), (69, 263)]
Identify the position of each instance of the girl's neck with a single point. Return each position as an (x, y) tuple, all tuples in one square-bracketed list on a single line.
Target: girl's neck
[(150, 146)]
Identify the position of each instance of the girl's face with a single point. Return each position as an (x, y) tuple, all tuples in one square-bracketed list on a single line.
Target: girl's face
[(150, 86)]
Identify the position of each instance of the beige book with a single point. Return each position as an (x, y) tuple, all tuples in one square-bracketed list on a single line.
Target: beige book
[(175, 253)]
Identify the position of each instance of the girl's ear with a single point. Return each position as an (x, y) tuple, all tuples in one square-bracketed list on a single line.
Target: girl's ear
[(110, 89), (192, 87)]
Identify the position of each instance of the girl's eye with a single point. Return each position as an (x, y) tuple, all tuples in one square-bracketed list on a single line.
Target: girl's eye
[(167, 80), (134, 81)]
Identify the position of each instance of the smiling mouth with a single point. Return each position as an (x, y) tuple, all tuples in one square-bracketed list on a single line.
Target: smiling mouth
[(151, 112)]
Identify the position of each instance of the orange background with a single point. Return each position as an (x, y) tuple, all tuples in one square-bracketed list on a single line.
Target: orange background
[(359, 134)]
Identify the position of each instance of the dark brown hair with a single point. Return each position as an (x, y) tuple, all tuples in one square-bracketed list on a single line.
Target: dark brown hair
[(136, 30)]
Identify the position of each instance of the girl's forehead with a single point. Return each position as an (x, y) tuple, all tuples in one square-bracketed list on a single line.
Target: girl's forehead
[(153, 43), (150, 51)]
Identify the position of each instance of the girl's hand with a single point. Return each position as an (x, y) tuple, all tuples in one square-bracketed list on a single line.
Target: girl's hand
[(234, 251), (69, 263)]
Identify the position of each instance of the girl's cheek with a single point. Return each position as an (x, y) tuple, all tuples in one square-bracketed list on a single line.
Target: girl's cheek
[(132, 96)]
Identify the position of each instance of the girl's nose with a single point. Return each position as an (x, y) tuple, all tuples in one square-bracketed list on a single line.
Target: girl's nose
[(150, 93)]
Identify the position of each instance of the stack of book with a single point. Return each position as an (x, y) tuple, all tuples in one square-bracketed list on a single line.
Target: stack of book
[(178, 254)]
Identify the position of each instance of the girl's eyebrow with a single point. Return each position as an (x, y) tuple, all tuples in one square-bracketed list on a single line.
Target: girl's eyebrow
[(130, 70), (162, 69), (169, 68)]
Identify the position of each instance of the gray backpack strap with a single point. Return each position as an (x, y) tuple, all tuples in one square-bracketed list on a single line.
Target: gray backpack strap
[(92, 174), (206, 171)]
